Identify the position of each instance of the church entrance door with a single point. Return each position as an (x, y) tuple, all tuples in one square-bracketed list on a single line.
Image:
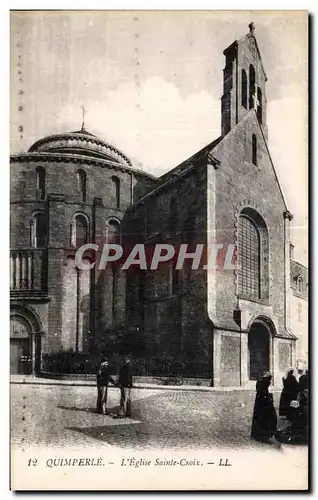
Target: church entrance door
[(20, 345), (19, 355), (259, 348)]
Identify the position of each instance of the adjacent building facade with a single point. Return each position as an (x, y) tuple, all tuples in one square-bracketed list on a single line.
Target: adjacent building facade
[(299, 309), (224, 325)]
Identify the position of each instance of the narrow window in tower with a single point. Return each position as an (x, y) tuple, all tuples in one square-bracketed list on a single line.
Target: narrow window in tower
[(300, 285), (39, 230), (113, 232), (81, 184), (116, 191), (244, 89), (254, 149), (79, 230), (251, 85), (40, 183), (259, 106)]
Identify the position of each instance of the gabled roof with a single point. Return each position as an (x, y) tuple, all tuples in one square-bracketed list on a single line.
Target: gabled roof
[(244, 39), (247, 37), (266, 145), (272, 163), (179, 171), (175, 172)]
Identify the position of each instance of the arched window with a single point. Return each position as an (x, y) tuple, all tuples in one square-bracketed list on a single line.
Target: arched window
[(253, 255), (39, 230), (259, 106), (79, 230), (40, 183), (113, 231), (249, 255), (251, 85), (244, 89), (254, 149), (81, 184), (116, 191), (173, 214), (299, 284)]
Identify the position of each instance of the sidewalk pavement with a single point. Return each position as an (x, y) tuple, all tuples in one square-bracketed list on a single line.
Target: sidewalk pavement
[(30, 379)]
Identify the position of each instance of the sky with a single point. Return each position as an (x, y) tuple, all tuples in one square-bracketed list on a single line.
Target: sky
[(151, 83)]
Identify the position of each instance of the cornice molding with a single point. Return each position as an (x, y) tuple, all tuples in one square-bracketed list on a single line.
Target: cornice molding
[(75, 158)]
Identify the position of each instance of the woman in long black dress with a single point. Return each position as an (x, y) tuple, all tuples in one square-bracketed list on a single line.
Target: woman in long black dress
[(289, 393), (264, 422)]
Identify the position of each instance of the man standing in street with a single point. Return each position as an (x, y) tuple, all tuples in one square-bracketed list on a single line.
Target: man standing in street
[(103, 379), (125, 385)]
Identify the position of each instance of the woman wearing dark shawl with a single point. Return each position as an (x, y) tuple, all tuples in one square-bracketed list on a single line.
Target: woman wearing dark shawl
[(264, 416), (289, 393)]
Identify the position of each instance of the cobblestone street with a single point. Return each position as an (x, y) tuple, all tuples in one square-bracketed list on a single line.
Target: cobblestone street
[(65, 416)]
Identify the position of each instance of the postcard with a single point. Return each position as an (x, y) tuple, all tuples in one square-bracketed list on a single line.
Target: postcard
[(158, 250)]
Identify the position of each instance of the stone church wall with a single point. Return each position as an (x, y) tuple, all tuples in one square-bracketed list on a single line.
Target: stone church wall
[(62, 200), (175, 322), (239, 183)]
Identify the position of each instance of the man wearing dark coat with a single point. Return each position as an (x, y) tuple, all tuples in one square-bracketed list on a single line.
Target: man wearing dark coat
[(103, 379), (264, 422), (289, 393), (125, 383)]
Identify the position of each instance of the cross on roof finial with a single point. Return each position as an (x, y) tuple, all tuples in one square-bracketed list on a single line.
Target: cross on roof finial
[(83, 116), (252, 28)]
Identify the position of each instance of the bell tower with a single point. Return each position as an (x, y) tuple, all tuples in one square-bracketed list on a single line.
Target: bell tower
[(244, 81)]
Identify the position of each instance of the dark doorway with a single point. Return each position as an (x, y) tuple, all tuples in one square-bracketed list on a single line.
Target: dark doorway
[(20, 359), (258, 345), (20, 345)]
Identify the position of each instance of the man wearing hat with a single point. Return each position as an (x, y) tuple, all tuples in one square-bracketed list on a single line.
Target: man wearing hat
[(103, 379), (125, 383)]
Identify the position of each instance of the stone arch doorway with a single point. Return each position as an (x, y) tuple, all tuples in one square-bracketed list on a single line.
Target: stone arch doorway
[(25, 341), (259, 347)]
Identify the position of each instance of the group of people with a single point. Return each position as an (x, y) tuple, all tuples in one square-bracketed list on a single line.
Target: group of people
[(293, 402), (293, 405), (124, 383)]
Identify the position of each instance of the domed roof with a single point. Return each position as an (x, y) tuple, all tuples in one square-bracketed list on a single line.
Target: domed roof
[(82, 143)]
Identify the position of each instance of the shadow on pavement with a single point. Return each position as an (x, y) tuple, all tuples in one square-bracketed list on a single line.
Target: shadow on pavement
[(134, 434), (151, 434), (167, 422), (75, 408)]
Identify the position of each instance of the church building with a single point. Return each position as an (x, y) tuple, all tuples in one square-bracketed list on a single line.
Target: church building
[(225, 325)]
